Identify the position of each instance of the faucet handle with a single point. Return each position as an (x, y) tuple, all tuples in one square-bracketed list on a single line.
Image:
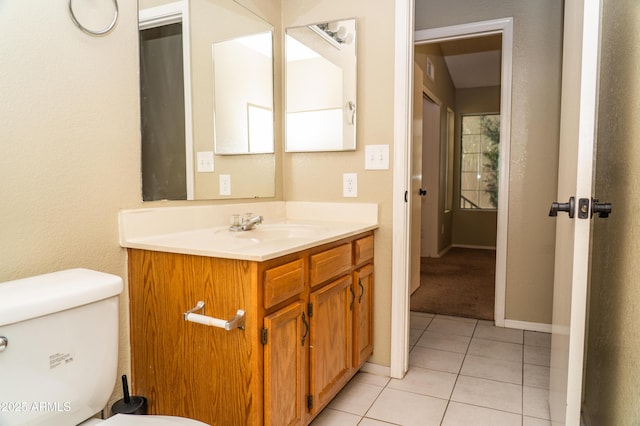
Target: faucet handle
[(236, 220)]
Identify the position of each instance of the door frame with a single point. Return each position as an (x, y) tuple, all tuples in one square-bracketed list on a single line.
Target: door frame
[(403, 81), (504, 27)]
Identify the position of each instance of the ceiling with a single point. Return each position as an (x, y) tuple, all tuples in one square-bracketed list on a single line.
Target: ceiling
[(473, 62)]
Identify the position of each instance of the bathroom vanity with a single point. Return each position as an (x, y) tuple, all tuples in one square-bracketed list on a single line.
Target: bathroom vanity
[(308, 319)]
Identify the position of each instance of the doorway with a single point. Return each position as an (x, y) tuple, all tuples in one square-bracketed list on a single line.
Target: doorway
[(462, 205), (405, 39)]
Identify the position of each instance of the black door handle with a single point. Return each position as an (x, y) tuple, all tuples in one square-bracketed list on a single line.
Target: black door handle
[(422, 192), (602, 209), (569, 207)]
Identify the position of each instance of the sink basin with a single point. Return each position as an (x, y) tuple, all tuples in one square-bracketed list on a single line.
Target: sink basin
[(274, 232)]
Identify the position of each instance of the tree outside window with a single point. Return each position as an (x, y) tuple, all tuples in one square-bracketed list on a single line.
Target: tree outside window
[(480, 161)]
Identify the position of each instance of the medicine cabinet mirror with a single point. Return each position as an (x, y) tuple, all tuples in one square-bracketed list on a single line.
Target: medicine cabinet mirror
[(206, 70), (320, 87)]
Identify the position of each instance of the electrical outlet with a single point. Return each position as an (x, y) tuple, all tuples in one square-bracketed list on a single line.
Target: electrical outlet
[(225, 184), (350, 185), (205, 161)]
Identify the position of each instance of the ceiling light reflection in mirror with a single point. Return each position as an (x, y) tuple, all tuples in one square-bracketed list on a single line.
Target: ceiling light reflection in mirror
[(243, 95), (320, 79)]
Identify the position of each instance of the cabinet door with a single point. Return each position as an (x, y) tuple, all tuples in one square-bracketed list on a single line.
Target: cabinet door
[(330, 344), (284, 366), (363, 315), (188, 369)]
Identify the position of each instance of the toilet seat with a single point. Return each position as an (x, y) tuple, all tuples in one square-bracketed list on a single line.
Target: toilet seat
[(134, 420)]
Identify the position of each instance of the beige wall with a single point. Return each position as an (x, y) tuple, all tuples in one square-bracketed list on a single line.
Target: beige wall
[(70, 144), (537, 58), (69, 125), (318, 176), (612, 377)]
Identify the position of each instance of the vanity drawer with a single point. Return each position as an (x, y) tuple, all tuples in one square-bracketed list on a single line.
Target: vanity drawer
[(282, 282), (330, 263), (363, 249)]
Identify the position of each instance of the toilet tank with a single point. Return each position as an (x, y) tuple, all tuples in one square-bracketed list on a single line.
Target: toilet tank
[(58, 363)]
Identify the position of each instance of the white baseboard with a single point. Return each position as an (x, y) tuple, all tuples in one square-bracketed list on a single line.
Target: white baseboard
[(377, 369), (529, 326), (474, 247), (444, 251)]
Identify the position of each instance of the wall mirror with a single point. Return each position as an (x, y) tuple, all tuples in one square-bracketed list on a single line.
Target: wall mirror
[(206, 70), (320, 87)]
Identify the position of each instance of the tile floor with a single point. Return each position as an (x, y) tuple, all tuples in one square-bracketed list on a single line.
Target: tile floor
[(461, 372)]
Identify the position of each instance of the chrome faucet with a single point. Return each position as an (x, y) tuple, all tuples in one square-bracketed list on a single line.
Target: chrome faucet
[(246, 223)]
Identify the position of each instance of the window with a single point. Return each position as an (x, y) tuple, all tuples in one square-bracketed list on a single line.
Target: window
[(479, 161)]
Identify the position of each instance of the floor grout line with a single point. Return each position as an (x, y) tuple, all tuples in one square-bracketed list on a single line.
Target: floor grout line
[(448, 406)]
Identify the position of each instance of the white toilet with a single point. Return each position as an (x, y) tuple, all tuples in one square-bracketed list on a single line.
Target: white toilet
[(59, 351)]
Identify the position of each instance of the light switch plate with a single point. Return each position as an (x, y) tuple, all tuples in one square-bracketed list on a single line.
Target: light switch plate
[(205, 161), (376, 157), (225, 184), (350, 185)]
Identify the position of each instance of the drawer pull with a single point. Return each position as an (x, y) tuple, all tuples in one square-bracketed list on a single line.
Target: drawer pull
[(237, 321)]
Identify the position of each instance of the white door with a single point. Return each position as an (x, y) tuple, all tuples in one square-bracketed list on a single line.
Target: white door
[(430, 176), (416, 180), (575, 174)]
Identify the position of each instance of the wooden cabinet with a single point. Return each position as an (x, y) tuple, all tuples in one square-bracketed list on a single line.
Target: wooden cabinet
[(285, 366), (330, 343), (330, 263), (309, 328), (363, 315)]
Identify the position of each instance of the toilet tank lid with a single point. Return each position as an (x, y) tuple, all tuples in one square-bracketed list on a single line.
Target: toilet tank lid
[(40, 295)]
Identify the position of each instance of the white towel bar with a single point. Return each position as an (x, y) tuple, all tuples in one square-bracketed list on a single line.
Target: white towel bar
[(237, 321)]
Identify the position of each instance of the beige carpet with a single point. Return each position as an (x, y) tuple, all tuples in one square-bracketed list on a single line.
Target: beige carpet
[(460, 283)]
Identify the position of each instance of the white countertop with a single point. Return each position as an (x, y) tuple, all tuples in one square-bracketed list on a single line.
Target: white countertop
[(247, 245), (286, 229)]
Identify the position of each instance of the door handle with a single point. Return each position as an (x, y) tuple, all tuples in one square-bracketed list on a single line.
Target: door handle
[(601, 209), (569, 207), (422, 192)]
